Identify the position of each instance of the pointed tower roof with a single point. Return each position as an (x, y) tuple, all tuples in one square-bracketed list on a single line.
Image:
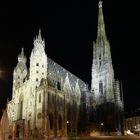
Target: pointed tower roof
[(21, 56), (101, 26), (39, 35), (22, 52), (39, 40)]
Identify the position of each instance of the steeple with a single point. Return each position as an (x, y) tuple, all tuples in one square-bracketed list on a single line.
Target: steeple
[(38, 40), (101, 26), (21, 56), (39, 35)]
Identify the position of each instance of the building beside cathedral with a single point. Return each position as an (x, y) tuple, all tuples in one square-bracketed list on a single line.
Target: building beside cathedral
[(49, 100)]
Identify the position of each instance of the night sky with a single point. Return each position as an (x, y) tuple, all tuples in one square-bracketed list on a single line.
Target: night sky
[(69, 28)]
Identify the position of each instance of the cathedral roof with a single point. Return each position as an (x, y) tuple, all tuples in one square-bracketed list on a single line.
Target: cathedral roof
[(59, 74)]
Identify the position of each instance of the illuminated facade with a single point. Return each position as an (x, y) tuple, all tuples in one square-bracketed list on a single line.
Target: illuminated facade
[(43, 95), (106, 90), (46, 97)]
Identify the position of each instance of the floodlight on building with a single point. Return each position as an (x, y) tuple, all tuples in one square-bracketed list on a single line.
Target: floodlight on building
[(102, 124)]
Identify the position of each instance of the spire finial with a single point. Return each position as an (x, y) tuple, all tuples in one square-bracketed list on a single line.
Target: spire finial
[(100, 4), (39, 34), (101, 25), (21, 56), (22, 52)]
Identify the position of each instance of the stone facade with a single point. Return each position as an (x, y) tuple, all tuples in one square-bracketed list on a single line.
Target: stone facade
[(46, 98), (106, 90)]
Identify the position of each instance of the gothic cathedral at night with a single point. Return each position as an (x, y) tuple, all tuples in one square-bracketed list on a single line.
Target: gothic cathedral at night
[(49, 100)]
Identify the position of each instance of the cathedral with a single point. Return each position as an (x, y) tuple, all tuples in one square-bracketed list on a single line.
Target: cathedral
[(49, 100)]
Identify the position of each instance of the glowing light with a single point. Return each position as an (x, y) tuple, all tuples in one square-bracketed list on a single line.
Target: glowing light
[(68, 122), (102, 124)]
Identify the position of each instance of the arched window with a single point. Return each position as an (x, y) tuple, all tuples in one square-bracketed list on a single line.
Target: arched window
[(48, 97), (20, 107), (101, 88), (51, 120), (60, 122), (58, 86), (100, 60), (39, 98)]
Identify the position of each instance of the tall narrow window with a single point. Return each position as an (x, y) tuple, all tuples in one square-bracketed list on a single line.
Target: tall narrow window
[(100, 60), (60, 122), (39, 98), (51, 120), (58, 86), (48, 97), (101, 88)]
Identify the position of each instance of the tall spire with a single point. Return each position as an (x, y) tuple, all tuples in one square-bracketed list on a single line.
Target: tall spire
[(39, 35), (39, 39), (101, 26), (22, 52)]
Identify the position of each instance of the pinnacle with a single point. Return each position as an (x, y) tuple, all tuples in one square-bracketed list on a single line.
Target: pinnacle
[(22, 52), (100, 4), (39, 35)]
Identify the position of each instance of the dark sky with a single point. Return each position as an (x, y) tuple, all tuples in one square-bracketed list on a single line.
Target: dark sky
[(69, 28)]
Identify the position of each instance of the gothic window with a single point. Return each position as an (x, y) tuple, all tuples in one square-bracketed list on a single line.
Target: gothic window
[(37, 64), (48, 97), (101, 88), (100, 60), (42, 73), (36, 79), (28, 124), (60, 122), (51, 120), (39, 98), (52, 99), (37, 71), (20, 108), (18, 77), (39, 115), (58, 86), (42, 66)]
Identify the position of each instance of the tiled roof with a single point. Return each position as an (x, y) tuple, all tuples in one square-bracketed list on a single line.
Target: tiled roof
[(58, 73)]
